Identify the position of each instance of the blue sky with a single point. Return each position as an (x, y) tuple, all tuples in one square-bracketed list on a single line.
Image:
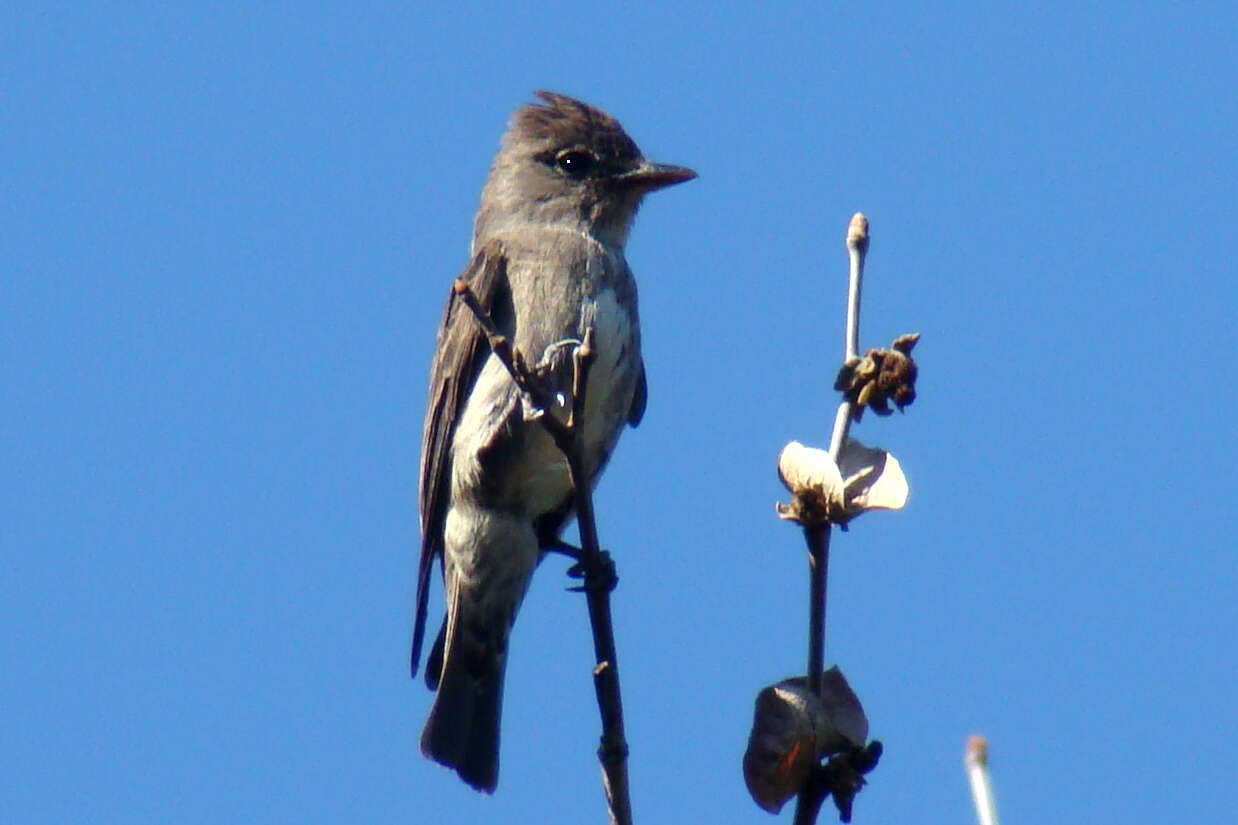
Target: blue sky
[(225, 237)]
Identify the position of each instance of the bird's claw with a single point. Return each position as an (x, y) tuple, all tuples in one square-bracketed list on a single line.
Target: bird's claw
[(598, 573)]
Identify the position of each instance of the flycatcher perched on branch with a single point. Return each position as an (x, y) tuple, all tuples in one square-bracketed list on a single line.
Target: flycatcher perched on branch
[(547, 264)]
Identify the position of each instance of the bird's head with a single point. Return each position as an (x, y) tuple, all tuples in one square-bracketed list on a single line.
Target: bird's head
[(566, 163)]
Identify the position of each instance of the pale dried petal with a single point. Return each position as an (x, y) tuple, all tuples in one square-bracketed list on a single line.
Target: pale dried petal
[(813, 479), (865, 478), (872, 478)]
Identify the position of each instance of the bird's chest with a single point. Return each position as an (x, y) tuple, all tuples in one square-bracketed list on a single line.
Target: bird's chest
[(600, 301), (503, 453), (559, 290), (608, 391)]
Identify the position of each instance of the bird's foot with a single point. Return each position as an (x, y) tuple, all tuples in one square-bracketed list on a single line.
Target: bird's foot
[(563, 549), (597, 571)]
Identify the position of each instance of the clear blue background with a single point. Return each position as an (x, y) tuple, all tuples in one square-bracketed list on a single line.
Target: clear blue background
[(225, 237)]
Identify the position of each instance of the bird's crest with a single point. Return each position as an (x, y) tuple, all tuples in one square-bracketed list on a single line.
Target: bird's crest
[(564, 121)]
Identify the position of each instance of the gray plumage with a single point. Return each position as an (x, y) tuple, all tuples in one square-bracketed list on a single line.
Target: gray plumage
[(547, 263)]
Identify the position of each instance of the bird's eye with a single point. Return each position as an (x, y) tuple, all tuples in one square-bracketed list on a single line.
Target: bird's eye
[(575, 163)]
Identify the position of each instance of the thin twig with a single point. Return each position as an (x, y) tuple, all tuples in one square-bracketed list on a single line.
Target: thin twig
[(857, 248), (582, 360), (817, 536), (808, 804), (599, 581), (595, 565), (516, 366)]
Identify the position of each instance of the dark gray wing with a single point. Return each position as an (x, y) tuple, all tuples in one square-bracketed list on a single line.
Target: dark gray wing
[(637, 411), (459, 353)]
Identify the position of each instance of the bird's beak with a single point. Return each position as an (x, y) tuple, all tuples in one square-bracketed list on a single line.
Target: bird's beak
[(650, 176)]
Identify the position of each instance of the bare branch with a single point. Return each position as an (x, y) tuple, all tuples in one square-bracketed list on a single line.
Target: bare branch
[(857, 248), (582, 360), (817, 536), (592, 563)]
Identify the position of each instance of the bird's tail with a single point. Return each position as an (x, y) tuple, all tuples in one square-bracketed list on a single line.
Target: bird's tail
[(463, 729)]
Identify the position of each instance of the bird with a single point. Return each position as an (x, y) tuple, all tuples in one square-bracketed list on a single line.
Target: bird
[(547, 264)]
